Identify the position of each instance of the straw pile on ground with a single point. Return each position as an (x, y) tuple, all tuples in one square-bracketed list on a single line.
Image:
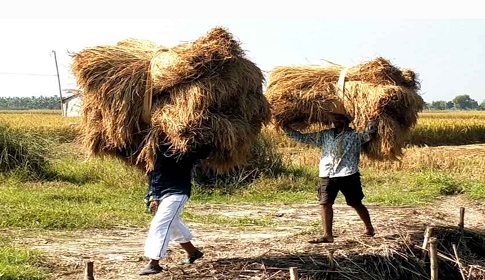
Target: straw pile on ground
[(305, 96), (203, 93), (391, 256)]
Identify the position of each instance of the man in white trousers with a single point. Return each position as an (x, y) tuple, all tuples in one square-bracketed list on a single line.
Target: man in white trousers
[(169, 189)]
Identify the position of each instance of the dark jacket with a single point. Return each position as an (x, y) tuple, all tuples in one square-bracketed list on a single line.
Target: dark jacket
[(173, 174)]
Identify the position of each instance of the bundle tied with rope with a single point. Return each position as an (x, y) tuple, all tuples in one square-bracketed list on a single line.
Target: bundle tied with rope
[(305, 97), (137, 95)]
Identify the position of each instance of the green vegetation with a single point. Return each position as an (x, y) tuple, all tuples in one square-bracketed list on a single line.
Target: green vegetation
[(23, 152), (460, 102), (19, 263), (28, 103), (97, 194)]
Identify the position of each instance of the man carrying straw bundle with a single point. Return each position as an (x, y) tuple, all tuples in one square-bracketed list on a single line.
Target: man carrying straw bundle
[(309, 96), (338, 169), (172, 107), (169, 189)]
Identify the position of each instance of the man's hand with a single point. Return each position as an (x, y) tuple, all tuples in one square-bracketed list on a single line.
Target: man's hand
[(154, 205), (151, 205)]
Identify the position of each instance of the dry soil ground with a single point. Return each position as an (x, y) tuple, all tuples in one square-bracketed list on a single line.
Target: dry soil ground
[(255, 252)]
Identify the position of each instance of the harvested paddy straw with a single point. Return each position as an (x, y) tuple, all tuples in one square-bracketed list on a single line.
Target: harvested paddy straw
[(305, 96), (201, 92)]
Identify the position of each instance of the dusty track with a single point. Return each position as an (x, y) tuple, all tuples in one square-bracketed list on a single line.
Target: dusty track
[(247, 252)]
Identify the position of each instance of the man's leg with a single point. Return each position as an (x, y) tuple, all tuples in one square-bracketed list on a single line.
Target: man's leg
[(181, 234), (156, 243), (326, 194), (351, 188), (365, 217), (189, 248), (327, 222), (193, 253)]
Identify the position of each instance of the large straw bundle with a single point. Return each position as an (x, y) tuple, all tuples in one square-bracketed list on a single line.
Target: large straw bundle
[(305, 96), (193, 60), (226, 110), (113, 80), (204, 92)]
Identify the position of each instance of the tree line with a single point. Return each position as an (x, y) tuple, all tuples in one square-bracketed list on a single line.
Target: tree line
[(30, 103), (460, 102)]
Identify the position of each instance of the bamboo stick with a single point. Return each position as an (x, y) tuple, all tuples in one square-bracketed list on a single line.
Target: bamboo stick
[(461, 224), (294, 273), (460, 265), (89, 271), (433, 254), (427, 235)]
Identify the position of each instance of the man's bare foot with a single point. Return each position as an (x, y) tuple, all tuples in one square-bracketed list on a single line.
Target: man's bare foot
[(323, 239), (369, 232)]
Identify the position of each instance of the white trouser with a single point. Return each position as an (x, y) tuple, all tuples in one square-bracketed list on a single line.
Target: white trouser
[(167, 226)]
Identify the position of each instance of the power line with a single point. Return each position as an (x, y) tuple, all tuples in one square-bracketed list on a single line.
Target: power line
[(26, 74)]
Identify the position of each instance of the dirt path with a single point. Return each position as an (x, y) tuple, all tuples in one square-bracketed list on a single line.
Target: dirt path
[(230, 250)]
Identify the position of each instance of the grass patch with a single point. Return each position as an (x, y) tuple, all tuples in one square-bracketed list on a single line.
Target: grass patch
[(22, 151), (82, 194), (476, 189), (294, 184), (107, 194), (19, 264), (67, 206), (404, 188), (93, 194), (391, 188)]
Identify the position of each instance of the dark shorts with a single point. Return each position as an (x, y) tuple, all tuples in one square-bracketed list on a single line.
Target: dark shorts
[(350, 187)]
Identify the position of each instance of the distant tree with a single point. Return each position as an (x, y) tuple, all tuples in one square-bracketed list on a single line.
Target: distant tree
[(28, 103), (465, 102), (438, 105), (474, 105), (427, 106), (482, 106), (450, 105)]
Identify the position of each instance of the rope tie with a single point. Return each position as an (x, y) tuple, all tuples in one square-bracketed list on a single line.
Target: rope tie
[(341, 83), (147, 102)]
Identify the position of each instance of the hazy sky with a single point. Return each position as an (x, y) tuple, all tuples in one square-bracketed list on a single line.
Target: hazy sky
[(444, 44)]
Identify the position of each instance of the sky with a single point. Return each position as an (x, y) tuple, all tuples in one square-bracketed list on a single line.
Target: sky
[(443, 42)]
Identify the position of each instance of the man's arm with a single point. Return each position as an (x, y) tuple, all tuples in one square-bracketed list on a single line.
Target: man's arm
[(369, 131), (306, 138)]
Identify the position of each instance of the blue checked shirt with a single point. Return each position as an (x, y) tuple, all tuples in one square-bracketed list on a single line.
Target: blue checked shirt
[(340, 152)]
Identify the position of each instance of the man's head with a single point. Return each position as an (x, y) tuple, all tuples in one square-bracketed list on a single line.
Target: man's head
[(340, 121)]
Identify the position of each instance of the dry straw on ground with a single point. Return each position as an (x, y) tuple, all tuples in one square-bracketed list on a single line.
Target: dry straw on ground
[(204, 92), (305, 96)]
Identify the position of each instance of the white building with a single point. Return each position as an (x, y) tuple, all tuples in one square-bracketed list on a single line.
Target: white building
[(71, 106)]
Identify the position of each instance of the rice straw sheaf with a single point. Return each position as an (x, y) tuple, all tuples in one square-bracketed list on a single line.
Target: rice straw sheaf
[(226, 110), (303, 96), (204, 92), (193, 60), (114, 81)]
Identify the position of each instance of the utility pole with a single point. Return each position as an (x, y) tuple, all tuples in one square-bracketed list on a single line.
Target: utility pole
[(58, 80)]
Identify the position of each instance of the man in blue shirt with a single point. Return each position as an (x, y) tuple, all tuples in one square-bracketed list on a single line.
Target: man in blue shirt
[(170, 188), (338, 169)]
